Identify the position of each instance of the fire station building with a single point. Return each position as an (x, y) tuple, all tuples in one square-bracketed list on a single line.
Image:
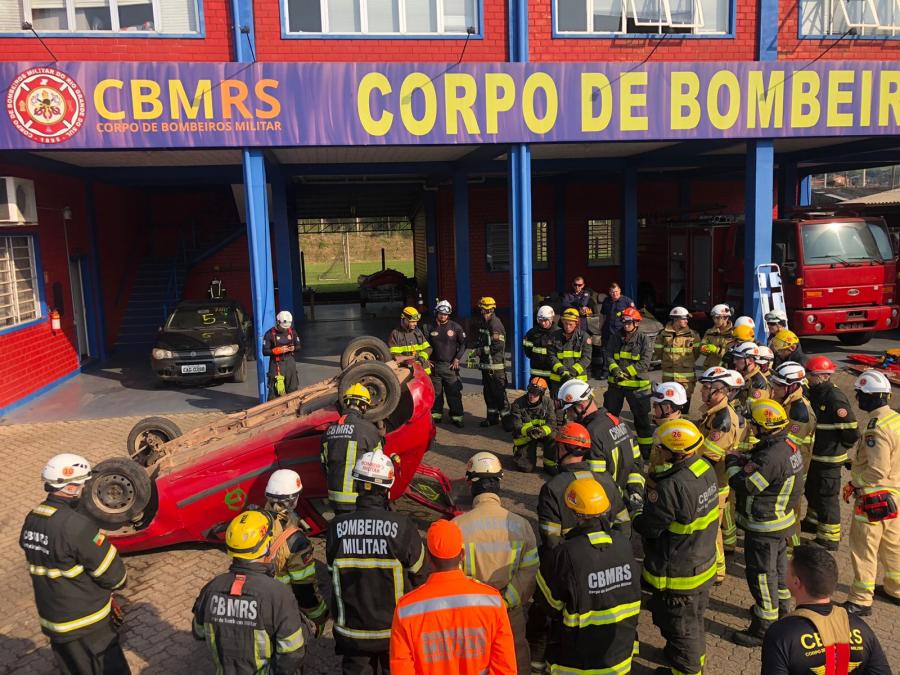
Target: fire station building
[(146, 143)]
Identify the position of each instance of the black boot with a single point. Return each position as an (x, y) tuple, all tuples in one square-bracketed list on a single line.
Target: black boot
[(489, 422), (858, 610), (753, 635)]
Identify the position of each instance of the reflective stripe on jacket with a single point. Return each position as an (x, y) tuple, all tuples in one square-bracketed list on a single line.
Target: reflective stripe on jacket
[(526, 417), (538, 343), (720, 341), (836, 428), (632, 355), (677, 350), (877, 462), (571, 355), (343, 442), (411, 343), (722, 432)]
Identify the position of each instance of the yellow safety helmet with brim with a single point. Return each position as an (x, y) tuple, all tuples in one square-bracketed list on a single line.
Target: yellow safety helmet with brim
[(570, 314), (586, 497), (249, 535), (743, 333), (784, 339), (768, 414), (487, 304), (357, 393), (410, 314), (680, 436)]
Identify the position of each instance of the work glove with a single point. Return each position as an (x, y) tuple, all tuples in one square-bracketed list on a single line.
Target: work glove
[(849, 492), (635, 503), (118, 616), (278, 351), (708, 349), (536, 432), (565, 376)]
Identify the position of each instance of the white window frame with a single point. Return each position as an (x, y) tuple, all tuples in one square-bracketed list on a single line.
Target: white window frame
[(113, 17), (667, 11), (363, 6), (828, 10), (629, 10), (15, 313), (615, 234)]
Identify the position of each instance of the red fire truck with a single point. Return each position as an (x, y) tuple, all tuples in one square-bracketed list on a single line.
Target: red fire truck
[(838, 272)]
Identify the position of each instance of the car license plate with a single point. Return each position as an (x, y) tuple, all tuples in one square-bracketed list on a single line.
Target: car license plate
[(193, 368)]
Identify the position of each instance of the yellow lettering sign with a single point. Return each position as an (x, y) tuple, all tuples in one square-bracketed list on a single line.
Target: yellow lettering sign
[(684, 111), (373, 82), (630, 99), (500, 96), (460, 106), (595, 85)]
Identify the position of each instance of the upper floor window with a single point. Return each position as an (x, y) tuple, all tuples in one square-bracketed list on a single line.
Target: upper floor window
[(878, 18), (381, 17), (622, 17), (149, 16), (19, 301)]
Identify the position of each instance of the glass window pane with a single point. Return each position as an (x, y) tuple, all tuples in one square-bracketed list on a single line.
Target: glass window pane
[(49, 19), (716, 18), (571, 15), (343, 16), (421, 16), (458, 15), (607, 16), (304, 16), (812, 17), (92, 15), (384, 16), (135, 16), (11, 16), (648, 12), (175, 16), (603, 242), (539, 237), (682, 12), (497, 247)]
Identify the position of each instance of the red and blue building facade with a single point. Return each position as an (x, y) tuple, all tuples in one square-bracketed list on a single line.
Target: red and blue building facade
[(109, 200)]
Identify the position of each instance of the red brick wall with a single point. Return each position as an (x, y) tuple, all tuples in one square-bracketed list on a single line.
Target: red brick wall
[(216, 46), (790, 46), (271, 47), (543, 47)]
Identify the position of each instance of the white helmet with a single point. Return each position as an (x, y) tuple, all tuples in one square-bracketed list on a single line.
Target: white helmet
[(545, 312), (673, 392), (572, 392), (66, 469), (765, 355), (483, 465), (284, 319), (283, 485), (679, 313), (734, 379), (745, 321), (443, 307), (788, 373), (872, 382), (775, 317), (720, 310), (376, 468), (746, 350), (716, 374)]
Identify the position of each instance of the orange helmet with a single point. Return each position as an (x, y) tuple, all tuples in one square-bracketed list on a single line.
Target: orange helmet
[(817, 365), (538, 383), (574, 435), (631, 314)]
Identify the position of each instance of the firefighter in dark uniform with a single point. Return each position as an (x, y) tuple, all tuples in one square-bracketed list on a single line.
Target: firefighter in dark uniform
[(581, 299), (250, 621), (767, 485), (409, 341), (74, 569), (612, 443), (537, 344), (343, 442), (448, 343), (590, 586), (629, 353), (785, 346), (756, 386), (679, 525), (534, 420), (556, 519), (291, 552), (375, 556), (836, 432), (280, 343), (571, 351), (490, 350), (818, 636)]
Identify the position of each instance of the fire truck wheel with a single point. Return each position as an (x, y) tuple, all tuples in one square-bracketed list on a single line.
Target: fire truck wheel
[(855, 339)]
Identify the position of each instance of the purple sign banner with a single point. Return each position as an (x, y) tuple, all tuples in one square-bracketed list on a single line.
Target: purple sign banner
[(97, 105)]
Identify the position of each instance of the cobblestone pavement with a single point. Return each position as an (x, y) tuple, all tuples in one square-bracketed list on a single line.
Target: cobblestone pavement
[(163, 585)]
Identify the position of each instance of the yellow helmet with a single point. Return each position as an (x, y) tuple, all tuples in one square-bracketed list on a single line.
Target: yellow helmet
[(410, 314), (768, 414), (784, 339), (586, 497), (680, 436), (487, 303), (359, 393), (571, 314), (249, 535), (743, 333)]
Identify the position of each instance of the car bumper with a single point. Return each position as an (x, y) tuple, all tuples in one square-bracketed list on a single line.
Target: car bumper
[(845, 320), (198, 369)]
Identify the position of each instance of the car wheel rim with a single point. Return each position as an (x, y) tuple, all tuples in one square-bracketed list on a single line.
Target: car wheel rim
[(150, 441), (113, 493), (376, 390), (362, 356)]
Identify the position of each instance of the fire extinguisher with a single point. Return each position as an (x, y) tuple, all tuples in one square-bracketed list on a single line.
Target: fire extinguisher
[(54, 321)]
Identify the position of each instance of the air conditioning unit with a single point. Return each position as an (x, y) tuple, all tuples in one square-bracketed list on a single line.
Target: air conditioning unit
[(17, 205)]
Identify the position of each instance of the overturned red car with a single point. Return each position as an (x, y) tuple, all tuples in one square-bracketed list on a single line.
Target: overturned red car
[(177, 488)]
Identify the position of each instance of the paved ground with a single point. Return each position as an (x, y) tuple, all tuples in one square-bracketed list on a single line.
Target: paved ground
[(163, 585)]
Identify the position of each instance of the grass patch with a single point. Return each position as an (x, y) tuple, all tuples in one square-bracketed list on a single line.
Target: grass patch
[(345, 285)]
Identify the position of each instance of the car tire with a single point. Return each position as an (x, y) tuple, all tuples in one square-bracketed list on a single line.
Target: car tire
[(147, 435), (240, 373), (118, 492), (365, 349), (382, 383), (855, 339)]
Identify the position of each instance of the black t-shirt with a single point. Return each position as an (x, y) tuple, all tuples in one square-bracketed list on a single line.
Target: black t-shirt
[(792, 647)]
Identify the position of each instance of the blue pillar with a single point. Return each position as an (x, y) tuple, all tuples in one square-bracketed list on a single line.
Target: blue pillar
[(287, 258), (559, 230), (461, 252), (629, 235), (431, 259), (257, 207), (521, 258), (758, 218), (96, 311), (805, 191)]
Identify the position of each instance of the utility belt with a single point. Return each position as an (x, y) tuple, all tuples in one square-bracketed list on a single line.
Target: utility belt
[(877, 506)]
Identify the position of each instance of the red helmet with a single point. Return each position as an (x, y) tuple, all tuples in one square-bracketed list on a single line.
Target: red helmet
[(820, 364), (573, 434), (630, 314)]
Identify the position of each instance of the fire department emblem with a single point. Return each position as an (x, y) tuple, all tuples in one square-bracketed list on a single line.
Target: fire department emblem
[(45, 105)]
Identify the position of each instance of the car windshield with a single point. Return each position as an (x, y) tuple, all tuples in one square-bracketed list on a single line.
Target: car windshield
[(206, 318), (847, 243)]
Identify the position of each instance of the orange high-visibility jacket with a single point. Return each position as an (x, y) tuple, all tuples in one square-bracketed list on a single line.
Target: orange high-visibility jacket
[(452, 625)]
